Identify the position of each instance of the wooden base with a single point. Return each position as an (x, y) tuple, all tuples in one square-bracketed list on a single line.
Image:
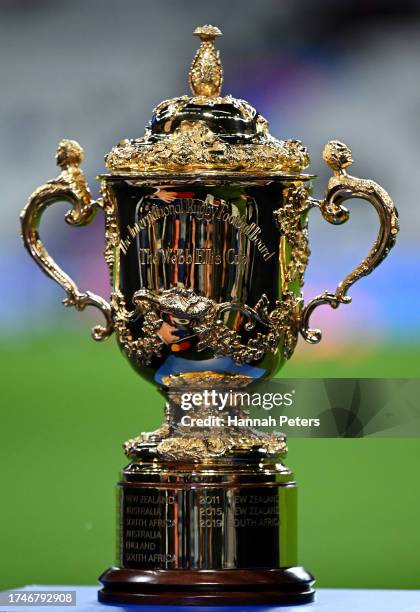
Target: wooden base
[(292, 585)]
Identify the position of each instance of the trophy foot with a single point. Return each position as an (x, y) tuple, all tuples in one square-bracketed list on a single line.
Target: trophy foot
[(291, 585)]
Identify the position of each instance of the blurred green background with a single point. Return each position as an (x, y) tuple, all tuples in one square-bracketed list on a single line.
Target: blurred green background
[(70, 402)]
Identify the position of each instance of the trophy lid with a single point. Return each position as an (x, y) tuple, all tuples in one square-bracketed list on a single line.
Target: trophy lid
[(206, 133)]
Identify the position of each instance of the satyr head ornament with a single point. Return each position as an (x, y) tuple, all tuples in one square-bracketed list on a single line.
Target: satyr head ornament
[(337, 155)]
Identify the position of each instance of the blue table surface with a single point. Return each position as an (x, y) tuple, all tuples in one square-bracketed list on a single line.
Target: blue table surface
[(327, 600)]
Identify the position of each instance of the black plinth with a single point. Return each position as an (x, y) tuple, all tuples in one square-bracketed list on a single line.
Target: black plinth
[(217, 533)]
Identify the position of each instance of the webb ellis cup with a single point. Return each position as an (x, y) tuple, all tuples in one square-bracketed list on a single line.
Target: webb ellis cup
[(206, 242)]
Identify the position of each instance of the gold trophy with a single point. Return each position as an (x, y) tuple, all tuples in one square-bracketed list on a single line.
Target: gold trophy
[(206, 242)]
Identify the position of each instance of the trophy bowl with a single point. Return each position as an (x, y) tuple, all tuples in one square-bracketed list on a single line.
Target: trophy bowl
[(206, 241)]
